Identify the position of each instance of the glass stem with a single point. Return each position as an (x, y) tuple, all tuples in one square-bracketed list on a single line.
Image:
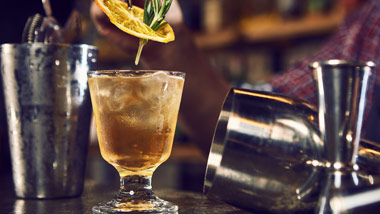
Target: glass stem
[(135, 187)]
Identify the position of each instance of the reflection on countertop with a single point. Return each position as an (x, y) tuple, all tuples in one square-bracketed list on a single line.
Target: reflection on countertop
[(179, 180)]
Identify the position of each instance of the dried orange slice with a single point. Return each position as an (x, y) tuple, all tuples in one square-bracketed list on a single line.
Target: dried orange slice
[(131, 21)]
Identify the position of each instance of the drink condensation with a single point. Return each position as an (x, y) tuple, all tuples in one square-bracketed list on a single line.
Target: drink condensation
[(136, 119)]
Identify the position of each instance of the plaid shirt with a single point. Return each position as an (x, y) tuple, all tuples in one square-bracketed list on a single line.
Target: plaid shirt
[(357, 39)]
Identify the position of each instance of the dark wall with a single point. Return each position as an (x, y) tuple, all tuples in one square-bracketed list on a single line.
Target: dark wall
[(13, 16), (14, 13)]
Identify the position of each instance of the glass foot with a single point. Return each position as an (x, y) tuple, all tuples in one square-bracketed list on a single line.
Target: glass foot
[(152, 206), (136, 196)]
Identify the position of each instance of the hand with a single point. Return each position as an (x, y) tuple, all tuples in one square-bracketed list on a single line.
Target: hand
[(128, 43), (110, 31)]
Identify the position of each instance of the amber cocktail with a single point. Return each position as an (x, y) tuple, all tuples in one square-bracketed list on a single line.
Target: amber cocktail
[(135, 114)]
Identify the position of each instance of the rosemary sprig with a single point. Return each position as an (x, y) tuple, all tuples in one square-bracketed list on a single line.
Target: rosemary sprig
[(154, 14)]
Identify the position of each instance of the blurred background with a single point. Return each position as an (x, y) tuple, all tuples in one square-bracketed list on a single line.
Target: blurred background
[(247, 41)]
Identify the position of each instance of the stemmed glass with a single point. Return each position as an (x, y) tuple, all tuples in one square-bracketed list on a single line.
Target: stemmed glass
[(135, 115)]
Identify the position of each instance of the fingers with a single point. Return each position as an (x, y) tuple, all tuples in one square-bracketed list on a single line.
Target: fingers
[(111, 32), (174, 15), (121, 39), (99, 18)]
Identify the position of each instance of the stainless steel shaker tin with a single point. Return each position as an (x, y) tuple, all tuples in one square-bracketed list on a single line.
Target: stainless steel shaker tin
[(49, 112), (267, 154), (260, 147)]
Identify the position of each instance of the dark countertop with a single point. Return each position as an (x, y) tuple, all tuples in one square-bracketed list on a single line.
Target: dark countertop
[(178, 180), (188, 202)]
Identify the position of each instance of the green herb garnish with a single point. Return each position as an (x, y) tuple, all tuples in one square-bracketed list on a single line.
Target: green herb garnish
[(154, 14)]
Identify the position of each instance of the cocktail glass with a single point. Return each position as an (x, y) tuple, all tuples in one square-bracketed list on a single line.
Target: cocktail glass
[(135, 114)]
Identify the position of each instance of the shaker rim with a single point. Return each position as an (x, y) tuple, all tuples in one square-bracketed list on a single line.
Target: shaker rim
[(41, 44), (339, 62), (218, 142)]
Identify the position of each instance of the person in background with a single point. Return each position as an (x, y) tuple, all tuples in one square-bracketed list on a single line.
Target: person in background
[(357, 39)]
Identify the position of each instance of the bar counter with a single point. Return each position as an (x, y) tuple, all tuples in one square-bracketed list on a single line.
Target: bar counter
[(188, 202), (172, 181)]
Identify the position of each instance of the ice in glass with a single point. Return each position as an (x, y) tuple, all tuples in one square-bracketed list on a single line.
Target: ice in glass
[(136, 114)]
